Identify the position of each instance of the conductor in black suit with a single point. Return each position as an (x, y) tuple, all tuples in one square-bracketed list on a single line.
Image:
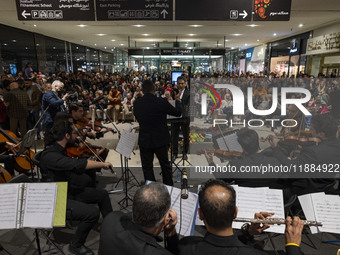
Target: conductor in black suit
[(154, 137), (184, 123)]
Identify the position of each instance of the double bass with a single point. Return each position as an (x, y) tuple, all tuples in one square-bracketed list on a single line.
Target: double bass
[(22, 163)]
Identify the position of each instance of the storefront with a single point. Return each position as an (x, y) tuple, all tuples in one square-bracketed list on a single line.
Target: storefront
[(288, 56), (324, 55), (255, 59), (165, 60)]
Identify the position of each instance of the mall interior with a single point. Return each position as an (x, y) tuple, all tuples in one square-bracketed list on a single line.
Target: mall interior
[(120, 44)]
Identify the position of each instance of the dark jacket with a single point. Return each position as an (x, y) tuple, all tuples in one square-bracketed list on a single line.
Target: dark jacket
[(119, 235), (51, 99), (151, 112)]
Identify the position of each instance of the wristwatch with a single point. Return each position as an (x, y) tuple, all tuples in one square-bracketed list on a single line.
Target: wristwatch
[(245, 231)]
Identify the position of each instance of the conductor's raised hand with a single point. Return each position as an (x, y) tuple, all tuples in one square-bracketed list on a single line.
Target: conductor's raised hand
[(178, 95)]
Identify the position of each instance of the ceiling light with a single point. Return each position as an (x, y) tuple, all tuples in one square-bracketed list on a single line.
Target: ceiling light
[(14, 40), (35, 25), (236, 34), (232, 48), (5, 44), (82, 25), (113, 40), (252, 25), (245, 44), (274, 34), (105, 47), (82, 40), (95, 44), (191, 34), (147, 48), (138, 25), (122, 44), (301, 25), (227, 40), (195, 25), (257, 40), (100, 34), (145, 34)]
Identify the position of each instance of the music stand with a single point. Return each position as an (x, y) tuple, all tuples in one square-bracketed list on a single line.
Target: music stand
[(125, 148), (27, 142)]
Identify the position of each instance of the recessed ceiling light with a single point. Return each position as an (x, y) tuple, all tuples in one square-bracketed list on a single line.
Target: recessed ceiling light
[(138, 25), (232, 48), (5, 44), (100, 34), (301, 25), (145, 34), (252, 25), (147, 48), (236, 34), (274, 34), (82, 40), (105, 48), (195, 25), (34, 25), (191, 34), (14, 40), (113, 40), (227, 40), (257, 40), (122, 44), (95, 44), (82, 25), (245, 44)]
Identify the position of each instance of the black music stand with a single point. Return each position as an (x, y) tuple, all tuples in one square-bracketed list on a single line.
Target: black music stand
[(27, 142)]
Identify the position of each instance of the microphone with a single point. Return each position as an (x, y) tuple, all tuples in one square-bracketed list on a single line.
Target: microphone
[(184, 185)]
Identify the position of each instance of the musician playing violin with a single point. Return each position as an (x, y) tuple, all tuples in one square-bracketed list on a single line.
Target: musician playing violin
[(81, 198), (324, 127)]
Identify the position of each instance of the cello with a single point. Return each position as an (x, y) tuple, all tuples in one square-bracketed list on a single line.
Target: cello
[(22, 163), (4, 175)]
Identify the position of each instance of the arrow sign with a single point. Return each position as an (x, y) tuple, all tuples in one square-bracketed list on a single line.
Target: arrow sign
[(164, 12), (244, 14), (25, 14)]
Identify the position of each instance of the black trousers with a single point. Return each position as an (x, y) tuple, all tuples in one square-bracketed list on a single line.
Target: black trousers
[(87, 214), (8, 162), (147, 155), (184, 126)]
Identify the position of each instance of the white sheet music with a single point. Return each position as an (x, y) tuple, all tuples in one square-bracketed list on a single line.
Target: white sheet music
[(274, 204), (39, 205), (327, 210), (229, 143), (189, 207), (323, 208), (8, 205), (126, 143)]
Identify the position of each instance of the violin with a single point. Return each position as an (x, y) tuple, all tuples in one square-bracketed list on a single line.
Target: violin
[(78, 151), (22, 164), (86, 123), (302, 138), (4, 175), (227, 155)]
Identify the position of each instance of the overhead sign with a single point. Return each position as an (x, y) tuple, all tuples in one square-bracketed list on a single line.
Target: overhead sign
[(324, 44), (272, 10), (134, 9), (176, 52), (239, 10), (55, 10)]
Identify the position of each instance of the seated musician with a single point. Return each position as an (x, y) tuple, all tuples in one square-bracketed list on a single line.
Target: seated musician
[(8, 160), (217, 209), (324, 127), (82, 200)]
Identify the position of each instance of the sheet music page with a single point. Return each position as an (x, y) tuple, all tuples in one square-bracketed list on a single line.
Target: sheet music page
[(126, 143), (274, 203), (308, 209), (231, 140), (173, 103), (9, 205), (249, 201), (198, 222), (39, 205), (188, 211), (327, 210)]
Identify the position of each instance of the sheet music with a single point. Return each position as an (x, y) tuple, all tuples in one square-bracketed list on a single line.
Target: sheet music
[(308, 209), (9, 205), (274, 204), (231, 140), (173, 103), (327, 210), (126, 143), (189, 208), (39, 205)]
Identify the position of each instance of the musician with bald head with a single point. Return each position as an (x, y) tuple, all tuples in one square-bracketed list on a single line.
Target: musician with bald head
[(217, 202)]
